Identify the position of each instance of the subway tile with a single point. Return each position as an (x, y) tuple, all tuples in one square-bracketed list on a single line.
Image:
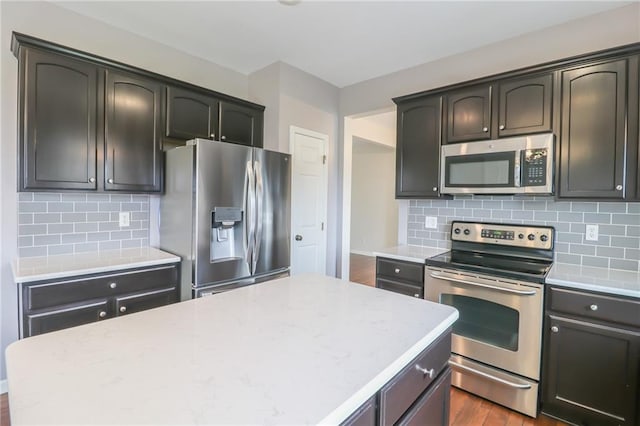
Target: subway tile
[(632, 254), (561, 247), (108, 226), (145, 215), (439, 236), (559, 206), (32, 207), (481, 214), (612, 229), (145, 224), (472, 204), (455, 203), (144, 242), (443, 211), (73, 238), (109, 207), (534, 205), (46, 218), (429, 211), (612, 207), (61, 249), (578, 228), (109, 245), (74, 197), (121, 198), (45, 240), (546, 216), (633, 208), (140, 233), (120, 235), (599, 262), (570, 217), (25, 218), (413, 225), (627, 265), (616, 252), (633, 231), (560, 226), (25, 196), (98, 236), (438, 203), (130, 243), (46, 196), (140, 198), (413, 203), (86, 207), (97, 217), (568, 258), (85, 247), (32, 229), (411, 241), (420, 234), (464, 212), (584, 207), (603, 240), (86, 227), (416, 210), (626, 219), (423, 203), (627, 242), (501, 214), (569, 237), (25, 241), (512, 205), (522, 214), (492, 204), (411, 233), (32, 251), (60, 228), (59, 207), (444, 244), (98, 197), (74, 217), (604, 218), (137, 224), (582, 249)]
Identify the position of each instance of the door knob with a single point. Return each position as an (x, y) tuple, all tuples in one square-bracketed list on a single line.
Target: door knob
[(298, 237)]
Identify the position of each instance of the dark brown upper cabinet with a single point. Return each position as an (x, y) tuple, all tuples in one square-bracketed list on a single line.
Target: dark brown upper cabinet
[(191, 115), (594, 103), (524, 105), (132, 145), (241, 124), (57, 122), (469, 114), (418, 148)]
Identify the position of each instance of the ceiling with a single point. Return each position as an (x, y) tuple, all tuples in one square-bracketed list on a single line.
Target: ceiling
[(341, 42)]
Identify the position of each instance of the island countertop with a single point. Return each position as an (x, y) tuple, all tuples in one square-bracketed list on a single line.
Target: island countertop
[(300, 350)]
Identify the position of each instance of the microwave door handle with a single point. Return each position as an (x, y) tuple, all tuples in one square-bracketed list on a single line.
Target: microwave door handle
[(516, 169)]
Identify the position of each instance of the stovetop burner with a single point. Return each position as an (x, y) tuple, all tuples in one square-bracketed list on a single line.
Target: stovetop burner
[(504, 250)]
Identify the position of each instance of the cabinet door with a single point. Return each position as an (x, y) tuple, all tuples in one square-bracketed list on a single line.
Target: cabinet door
[(524, 106), (191, 115), (240, 124), (39, 323), (418, 148), (364, 416), (591, 372), (58, 113), (592, 137), (133, 155), (432, 409), (143, 301), (469, 114)]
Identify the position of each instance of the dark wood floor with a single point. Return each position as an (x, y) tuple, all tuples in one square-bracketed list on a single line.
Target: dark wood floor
[(4, 410)]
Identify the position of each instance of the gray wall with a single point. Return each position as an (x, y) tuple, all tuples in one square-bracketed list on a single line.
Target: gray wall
[(618, 245)]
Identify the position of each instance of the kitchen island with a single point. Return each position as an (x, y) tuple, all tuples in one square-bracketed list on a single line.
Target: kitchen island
[(300, 350)]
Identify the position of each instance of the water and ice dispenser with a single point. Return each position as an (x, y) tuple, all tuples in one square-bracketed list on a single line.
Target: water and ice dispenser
[(226, 233)]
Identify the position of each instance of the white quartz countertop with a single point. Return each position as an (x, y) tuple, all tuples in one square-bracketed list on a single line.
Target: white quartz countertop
[(29, 269), (300, 350), (409, 253), (612, 281)]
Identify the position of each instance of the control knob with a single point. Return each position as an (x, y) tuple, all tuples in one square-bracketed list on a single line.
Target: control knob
[(531, 237), (521, 236), (467, 232), (457, 230), (543, 238)]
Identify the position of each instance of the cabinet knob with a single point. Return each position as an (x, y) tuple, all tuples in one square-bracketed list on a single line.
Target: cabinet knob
[(554, 329), (397, 270), (123, 309), (110, 180), (92, 179), (502, 127), (113, 285), (435, 189), (618, 187), (102, 314), (223, 138), (485, 129), (417, 295), (213, 135), (425, 372), (593, 307)]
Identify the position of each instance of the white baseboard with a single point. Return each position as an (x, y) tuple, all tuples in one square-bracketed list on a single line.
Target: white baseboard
[(3, 386), (363, 253)]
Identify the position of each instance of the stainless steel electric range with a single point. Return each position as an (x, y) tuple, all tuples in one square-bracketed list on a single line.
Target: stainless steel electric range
[(494, 275)]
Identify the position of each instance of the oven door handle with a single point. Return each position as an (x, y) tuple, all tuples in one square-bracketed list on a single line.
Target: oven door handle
[(489, 376), (493, 287)]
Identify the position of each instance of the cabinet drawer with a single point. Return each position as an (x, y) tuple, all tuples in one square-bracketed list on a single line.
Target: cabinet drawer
[(432, 409), (144, 301), (65, 318), (59, 293), (596, 306), (398, 269), (400, 393), (402, 288)]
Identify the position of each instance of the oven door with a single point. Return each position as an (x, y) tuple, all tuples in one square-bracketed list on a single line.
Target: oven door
[(500, 321)]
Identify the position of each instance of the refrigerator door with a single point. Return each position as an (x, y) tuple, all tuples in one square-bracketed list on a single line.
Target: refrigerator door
[(273, 205), (224, 205)]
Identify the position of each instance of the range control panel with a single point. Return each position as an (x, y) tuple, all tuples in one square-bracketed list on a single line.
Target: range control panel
[(538, 237)]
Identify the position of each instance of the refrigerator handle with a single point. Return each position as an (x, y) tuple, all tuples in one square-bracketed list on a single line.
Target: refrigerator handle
[(249, 223), (259, 212)]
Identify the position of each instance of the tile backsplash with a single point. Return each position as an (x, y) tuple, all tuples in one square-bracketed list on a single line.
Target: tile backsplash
[(617, 247), (61, 223)]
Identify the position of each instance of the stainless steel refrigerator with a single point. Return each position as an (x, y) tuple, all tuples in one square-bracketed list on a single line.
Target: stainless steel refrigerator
[(226, 212)]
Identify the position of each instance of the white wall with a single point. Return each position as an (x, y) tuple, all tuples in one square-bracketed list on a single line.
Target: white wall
[(50, 22)]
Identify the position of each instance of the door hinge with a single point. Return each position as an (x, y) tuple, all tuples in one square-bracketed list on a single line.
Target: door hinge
[(324, 159), (322, 226)]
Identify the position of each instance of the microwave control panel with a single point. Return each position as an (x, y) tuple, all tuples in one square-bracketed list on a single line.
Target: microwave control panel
[(534, 167)]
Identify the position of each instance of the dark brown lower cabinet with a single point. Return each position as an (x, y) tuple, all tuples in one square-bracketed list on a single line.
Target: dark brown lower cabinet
[(418, 395), (591, 367), (400, 276), (52, 305)]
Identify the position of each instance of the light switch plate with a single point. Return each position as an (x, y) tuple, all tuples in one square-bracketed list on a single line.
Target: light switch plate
[(124, 218), (431, 222), (591, 233)]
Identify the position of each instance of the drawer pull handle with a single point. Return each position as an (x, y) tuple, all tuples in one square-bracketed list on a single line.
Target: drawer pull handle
[(397, 270), (102, 314), (123, 309), (593, 307), (425, 372), (113, 285)]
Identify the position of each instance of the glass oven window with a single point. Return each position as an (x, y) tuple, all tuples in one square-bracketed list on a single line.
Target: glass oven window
[(484, 321), (480, 170)]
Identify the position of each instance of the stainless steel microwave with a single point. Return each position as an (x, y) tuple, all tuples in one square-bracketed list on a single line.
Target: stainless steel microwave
[(519, 165)]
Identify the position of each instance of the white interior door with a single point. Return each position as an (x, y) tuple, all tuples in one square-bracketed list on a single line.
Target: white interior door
[(308, 201)]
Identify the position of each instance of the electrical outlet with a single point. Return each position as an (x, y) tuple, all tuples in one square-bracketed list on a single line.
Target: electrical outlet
[(124, 218), (592, 233), (431, 222)]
